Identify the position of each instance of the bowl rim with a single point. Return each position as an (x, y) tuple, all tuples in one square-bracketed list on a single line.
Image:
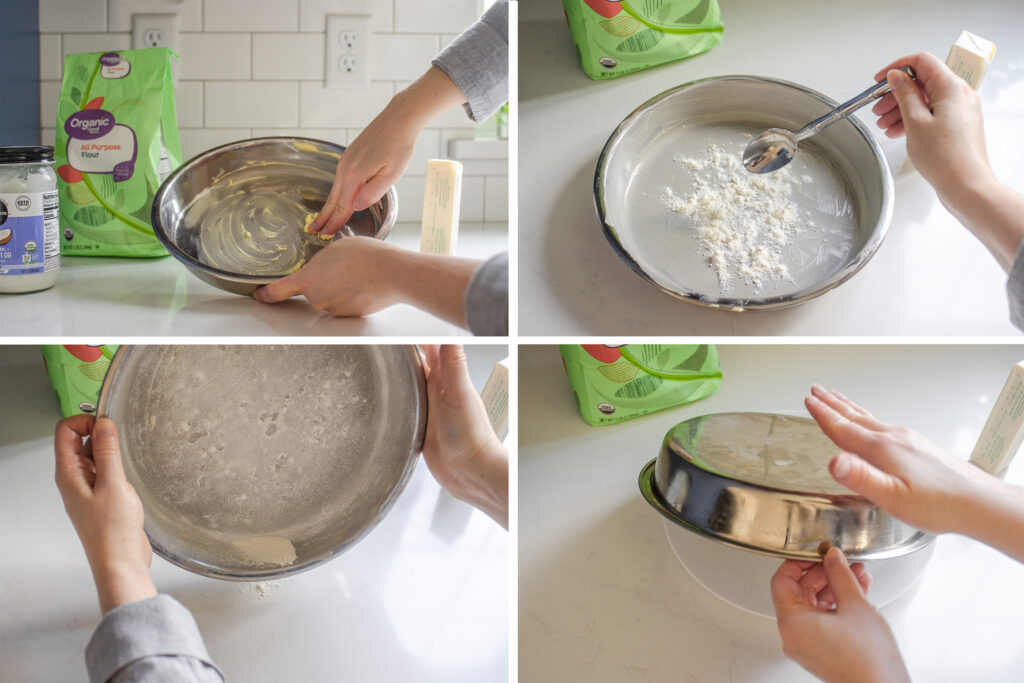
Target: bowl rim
[(158, 229), (653, 495), (213, 571), (739, 304)]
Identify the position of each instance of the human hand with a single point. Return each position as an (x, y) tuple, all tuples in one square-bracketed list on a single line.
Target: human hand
[(941, 117), (378, 157), (461, 448), (104, 508), (352, 276), (827, 625), (374, 162), (898, 469)]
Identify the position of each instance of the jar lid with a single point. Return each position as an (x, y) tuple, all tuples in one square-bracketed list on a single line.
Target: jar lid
[(25, 155)]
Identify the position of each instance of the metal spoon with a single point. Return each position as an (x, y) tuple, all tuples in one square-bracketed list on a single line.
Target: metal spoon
[(776, 147)]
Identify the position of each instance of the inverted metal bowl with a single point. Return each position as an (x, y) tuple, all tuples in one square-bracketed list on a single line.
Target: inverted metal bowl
[(637, 161), (760, 482), (238, 450), (285, 163)]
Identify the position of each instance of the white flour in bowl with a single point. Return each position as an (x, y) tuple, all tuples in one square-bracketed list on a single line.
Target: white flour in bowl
[(742, 221)]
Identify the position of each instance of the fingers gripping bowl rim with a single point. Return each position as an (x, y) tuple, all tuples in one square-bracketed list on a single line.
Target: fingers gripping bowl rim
[(306, 163), (690, 110), (321, 487)]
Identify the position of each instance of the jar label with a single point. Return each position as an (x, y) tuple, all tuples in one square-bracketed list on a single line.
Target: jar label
[(29, 233)]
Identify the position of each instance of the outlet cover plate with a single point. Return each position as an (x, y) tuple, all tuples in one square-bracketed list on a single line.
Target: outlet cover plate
[(154, 30), (347, 52)]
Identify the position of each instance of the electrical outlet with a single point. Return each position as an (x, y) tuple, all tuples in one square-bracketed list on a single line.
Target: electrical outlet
[(347, 53), (154, 30)]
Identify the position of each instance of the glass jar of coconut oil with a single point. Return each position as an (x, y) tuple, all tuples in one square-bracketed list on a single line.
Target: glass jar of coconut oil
[(29, 220)]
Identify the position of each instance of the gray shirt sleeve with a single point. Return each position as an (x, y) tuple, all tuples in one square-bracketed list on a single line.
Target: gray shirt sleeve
[(477, 62), (487, 298), (150, 640), (1015, 289)]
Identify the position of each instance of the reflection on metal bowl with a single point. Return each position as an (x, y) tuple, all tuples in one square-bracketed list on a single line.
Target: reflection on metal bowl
[(258, 461), (743, 490), (843, 197), (234, 215)]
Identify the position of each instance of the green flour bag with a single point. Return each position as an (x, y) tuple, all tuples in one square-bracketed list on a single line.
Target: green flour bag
[(76, 372), (612, 384), (117, 139), (618, 38)]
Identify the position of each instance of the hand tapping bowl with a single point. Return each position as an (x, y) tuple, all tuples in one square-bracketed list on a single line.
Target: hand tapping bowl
[(844, 190), (270, 167), (257, 462), (739, 492)]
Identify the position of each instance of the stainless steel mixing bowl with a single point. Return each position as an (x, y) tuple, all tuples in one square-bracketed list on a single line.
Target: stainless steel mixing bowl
[(256, 462), (637, 161), (286, 163), (760, 482)]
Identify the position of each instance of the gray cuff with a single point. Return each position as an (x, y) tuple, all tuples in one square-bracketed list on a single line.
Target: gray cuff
[(487, 298), (157, 627), (1015, 289), (477, 62)]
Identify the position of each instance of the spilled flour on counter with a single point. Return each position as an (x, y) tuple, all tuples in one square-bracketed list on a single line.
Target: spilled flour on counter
[(741, 221)]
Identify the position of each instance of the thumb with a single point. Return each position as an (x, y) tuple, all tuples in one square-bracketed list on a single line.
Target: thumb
[(908, 95), (106, 452), (283, 289), (862, 477), (454, 370), (841, 579)]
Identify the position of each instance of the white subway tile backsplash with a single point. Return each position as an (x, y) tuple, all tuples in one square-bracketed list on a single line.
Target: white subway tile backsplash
[(312, 13), (76, 43), (67, 16), (484, 167), (214, 56), (49, 93), (188, 97), (410, 198), (197, 140), (338, 136), (190, 13), (472, 209), (51, 58), (251, 104), (288, 56), (401, 57), (450, 134), (496, 198), (251, 15), (450, 16), (48, 136), (323, 108)]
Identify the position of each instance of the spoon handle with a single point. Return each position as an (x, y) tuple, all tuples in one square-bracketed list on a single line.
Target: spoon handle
[(876, 91)]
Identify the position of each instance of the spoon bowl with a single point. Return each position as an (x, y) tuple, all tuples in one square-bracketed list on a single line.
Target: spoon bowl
[(776, 147)]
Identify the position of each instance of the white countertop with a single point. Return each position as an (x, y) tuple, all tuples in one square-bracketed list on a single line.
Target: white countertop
[(104, 297), (930, 277), (424, 597), (603, 598)]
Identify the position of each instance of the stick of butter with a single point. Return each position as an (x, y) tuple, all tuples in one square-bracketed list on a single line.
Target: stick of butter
[(970, 56), (441, 200), (495, 396), (1004, 430)]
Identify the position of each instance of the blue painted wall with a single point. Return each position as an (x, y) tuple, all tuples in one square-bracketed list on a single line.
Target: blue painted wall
[(19, 72)]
